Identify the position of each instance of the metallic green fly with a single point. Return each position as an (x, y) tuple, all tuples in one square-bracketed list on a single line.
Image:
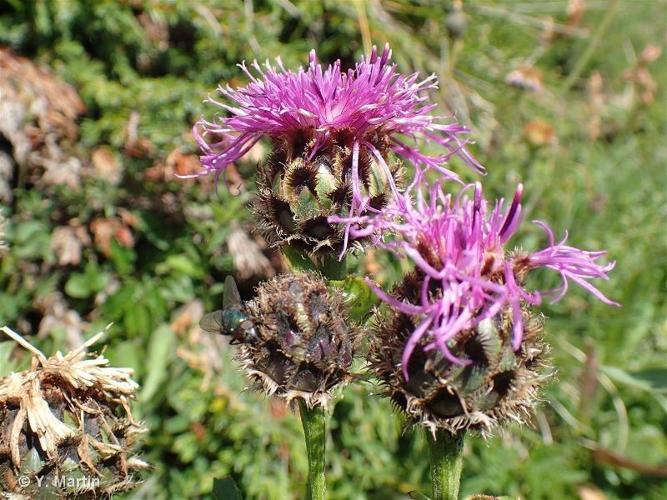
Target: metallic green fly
[(232, 319)]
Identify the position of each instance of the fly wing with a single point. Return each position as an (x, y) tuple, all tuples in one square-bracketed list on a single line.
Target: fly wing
[(212, 322), (231, 298)]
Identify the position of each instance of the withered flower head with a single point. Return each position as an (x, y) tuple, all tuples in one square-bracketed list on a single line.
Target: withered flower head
[(66, 430), (303, 343)]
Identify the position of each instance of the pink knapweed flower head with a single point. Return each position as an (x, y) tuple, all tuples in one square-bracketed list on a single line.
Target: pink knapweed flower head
[(458, 247), (378, 107)]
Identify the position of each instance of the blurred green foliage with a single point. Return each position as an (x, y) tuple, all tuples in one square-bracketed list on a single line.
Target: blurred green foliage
[(588, 146)]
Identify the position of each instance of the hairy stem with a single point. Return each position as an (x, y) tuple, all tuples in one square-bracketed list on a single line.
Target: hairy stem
[(446, 464), (314, 428)]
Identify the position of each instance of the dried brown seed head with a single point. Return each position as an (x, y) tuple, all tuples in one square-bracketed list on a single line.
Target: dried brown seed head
[(66, 428)]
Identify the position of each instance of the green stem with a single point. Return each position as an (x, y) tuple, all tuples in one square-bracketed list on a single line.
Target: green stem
[(314, 422), (332, 268), (329, 265), (297, 260), (446, 464)]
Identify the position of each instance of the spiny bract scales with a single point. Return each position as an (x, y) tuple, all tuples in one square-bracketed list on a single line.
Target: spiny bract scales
[(298, 194), (491, 383), (305, 341), (66, 430)]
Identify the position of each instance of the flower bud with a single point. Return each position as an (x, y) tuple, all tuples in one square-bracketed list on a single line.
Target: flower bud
[(304, 343)]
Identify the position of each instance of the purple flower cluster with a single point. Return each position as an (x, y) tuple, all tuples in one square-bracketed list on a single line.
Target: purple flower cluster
[(373, 102), (457, 245)]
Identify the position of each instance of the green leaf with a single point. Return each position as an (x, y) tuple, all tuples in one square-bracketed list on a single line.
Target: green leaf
[(137, 320), (83, 285), (122, 257), (96, 280), (116, 304), (418, 496), (31, 240), (649, 379), (226, 489), (77, 286), (180, 264), (128, 354), (160, 352), (358, 295)]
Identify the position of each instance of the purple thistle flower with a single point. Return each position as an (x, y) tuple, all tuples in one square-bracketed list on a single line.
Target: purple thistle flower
[(372, 102), (458, 248)]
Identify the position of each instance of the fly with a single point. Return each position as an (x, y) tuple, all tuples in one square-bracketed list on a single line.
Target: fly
[(232, 319)]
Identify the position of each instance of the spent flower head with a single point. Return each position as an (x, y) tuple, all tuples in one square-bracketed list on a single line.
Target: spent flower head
[(67, 417), (295, 339)]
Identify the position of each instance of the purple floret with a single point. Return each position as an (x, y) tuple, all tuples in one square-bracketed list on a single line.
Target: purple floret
[(373, 102), (459, 242)]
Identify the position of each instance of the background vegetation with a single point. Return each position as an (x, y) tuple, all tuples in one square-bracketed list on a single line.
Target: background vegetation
[(566, 96)]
